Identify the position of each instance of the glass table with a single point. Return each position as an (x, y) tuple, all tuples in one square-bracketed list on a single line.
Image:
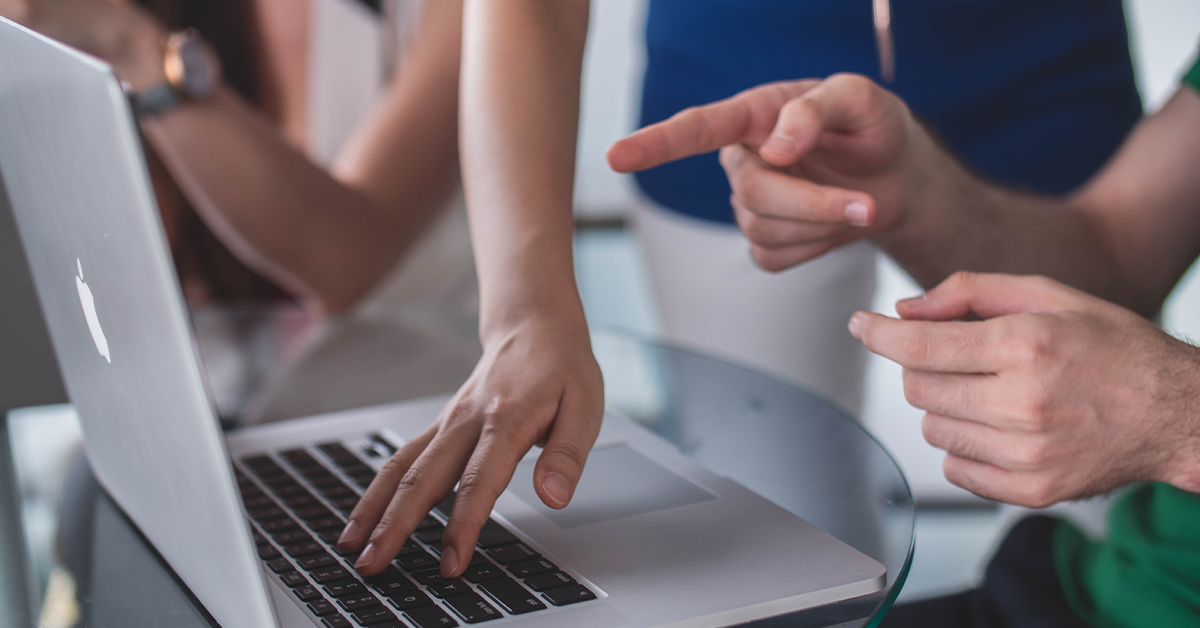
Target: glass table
[(786, 444)]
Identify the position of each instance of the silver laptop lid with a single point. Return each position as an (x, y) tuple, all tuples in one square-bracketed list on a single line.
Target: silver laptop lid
[(72, 164)]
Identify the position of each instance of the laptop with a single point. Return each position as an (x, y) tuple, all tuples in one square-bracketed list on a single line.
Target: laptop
[(249, 522)]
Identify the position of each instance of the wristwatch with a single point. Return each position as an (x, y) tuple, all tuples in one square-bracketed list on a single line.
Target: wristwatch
[(193, 73)]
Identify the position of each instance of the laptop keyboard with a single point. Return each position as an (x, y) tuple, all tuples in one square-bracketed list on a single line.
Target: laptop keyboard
[(298, 501)]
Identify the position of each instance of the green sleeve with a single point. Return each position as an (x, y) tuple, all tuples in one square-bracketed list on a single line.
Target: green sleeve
[(1192, 78)]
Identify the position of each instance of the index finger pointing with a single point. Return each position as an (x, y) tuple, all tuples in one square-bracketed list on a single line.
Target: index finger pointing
[(947, 347), (745, 118)]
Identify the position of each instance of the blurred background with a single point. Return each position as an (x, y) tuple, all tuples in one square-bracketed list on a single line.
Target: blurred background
[(955, 531)]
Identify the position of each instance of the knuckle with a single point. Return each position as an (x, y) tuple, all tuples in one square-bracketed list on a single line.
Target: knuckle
[(962, 280), (915, 349), (567, 454), (916, 389), (475, 487), (755, 230)]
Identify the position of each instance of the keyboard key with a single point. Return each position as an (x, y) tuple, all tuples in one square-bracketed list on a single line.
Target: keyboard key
[(472, 608), (313, 512), (512, 553), (344, 588), (428, 577), (395, 587), (307, 593), (430, 536), (255, 503), (309, 563), (293, 579), (280, 565), (278, 525), (448, 588), (568, 595), (279, 481), (358, 601), (330, 536), (416, 562), (259, 462), (336, 451), (303, 549), (379, 439), (336, 621), (326, 523), (389, 574), (322, 607), (428, 522), (291, 490), (478, 572), (262, 514), (494, 534), (292, 536), (258, 538), (267, 552), (345, 504), (410, 547), (406, 600), (549, 581), (372, 616), (330, 574), (340, 490), (324, 479), (534, 567), (513, 597), (301, 501), (430, 617)]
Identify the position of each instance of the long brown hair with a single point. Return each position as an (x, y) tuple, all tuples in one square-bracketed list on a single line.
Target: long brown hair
[(207, 270)]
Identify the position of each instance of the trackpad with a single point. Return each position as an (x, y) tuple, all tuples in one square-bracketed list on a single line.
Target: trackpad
[(618, 482)]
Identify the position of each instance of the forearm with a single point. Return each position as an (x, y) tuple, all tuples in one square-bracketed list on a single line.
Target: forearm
[(278, 212), (954, 220), (325, 236), (519, 118)]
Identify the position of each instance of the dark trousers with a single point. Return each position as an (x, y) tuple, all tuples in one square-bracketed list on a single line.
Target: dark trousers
[(1020, 590)]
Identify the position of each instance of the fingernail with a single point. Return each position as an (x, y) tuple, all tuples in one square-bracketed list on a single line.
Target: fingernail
[(781, 144), (856, 213), (917, 299), (856, 324), (366, 558), (449, 560), (557, 488), (349, 532)]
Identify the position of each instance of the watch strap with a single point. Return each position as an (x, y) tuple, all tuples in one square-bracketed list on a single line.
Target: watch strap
[(156, 100)]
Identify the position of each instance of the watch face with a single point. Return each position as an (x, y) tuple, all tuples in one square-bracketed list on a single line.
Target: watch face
[(201, 70)]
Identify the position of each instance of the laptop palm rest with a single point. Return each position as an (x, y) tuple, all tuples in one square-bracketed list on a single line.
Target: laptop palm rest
[(619, 483)]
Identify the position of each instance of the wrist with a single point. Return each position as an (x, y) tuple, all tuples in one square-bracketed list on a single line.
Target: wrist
[(1182, 462), (928, 181), (561, 316), (137, 54)]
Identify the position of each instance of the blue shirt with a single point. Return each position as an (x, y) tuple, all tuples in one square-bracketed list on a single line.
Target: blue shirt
[(1031, 93)]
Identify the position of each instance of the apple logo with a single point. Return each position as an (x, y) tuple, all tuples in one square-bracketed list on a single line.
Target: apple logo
[(89, 312)]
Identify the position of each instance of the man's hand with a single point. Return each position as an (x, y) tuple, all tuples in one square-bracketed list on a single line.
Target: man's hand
[(1057, 395), (532, 386), (813, 164)]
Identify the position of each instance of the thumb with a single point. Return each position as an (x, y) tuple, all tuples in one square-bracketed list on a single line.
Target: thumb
[(987, 296), (560, 465)]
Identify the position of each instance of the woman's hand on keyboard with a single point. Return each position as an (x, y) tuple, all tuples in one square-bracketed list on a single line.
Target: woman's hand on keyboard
[(536, 384)]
